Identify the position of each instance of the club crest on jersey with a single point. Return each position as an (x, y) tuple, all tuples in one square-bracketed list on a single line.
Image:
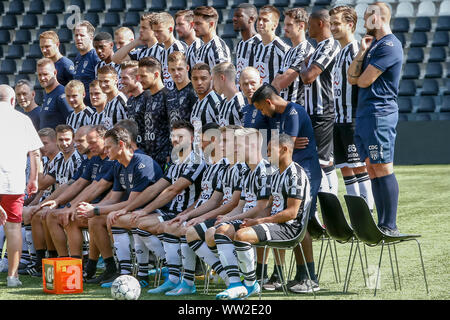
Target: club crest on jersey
[(130, 177), (141, 166)]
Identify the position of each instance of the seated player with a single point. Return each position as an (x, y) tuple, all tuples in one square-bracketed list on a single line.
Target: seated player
[(255, 194), (81, 114), (168, 197), (281, 219)]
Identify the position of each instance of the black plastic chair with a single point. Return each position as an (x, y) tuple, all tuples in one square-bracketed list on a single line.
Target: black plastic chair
[(286, 245), (340, 231), (368, 232)]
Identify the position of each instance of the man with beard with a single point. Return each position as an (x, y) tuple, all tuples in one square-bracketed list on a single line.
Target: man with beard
[(25, 99)]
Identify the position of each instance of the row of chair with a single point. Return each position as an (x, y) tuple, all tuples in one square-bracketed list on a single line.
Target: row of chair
[(362, 231), (431, 70), (429, 87), (421, 39)]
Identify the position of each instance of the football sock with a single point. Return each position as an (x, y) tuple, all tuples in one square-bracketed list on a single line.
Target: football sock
[(324, 184), (40, 254), (246, 259), (202, 250), (25, 256), (29, 240), (122, 248), (153, 243), (259, 267), (188, 259), (365, 188), (227, 256), (378, 199), (312, 271), (333, 181), (52, 253), (141, 252), (91, 268), (172, 249), (389, 190), (351, 185), (110, 265)]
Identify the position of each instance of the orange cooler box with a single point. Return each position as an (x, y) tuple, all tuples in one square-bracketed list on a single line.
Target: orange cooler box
[(62, 275)]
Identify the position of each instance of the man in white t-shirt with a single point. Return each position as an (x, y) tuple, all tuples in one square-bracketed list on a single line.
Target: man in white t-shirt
[(19, 137)]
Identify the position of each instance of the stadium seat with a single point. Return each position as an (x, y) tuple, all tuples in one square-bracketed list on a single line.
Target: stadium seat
[(448, 69), (407, 87), (301, 3), (29, 21), (50, 21), (405, 9), (117, 6), (415, 54), (444, 116), (1, 52), (112, 19), (21, 77), (440, 39), (8, 66), (39, 97), (16, 7), (9, 22), (229, 18), (322, 2), (404, 104), (219, 4), (422, 24), (198, 3), (65, 35), (443, 23), (230, 44), (22, 37), (419, 39), (93, 18), (228, 31), (360, 8), (56, 6), (445, 104), (28, 66), (178, 5), (235, 3), (400, 25), (72, 52), (422, 117), (447, 87), (426, 104), (131, 19), (4, 79), (107, 29), (437, 54), (36, 7), (444, 9), (34, 51), (138, 5), (430, 87), (434, 70), (97, 6), (158, 5), (5, 37), (411, 71), (401, 37), (15, 51), (426, 9), (261, 3), (79, 3)]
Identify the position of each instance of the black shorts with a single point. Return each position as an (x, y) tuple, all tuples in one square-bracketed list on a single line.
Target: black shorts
[(323, 132), (276, 231), (235, 223), (345, 152), (165, 215), (202, 227)]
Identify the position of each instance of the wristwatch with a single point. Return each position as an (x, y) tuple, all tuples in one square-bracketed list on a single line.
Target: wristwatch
[(96, 211), (68, 205)]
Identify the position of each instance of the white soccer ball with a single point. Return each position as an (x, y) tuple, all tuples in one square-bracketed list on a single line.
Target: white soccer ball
[(126, 287)]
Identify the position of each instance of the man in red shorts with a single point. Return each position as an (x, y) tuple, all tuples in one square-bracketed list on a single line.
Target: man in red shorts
[(19, 137)]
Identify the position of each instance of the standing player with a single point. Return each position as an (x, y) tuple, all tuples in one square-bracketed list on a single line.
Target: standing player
[(49, 43), (132, 88), (87, 58), (55, 108), (244, 19), (182, 98), (25, 99), (123, 36), (270, 52), (214, 50), (356, 179), (98, 100), (117, 101), (224, 81), (184, 26), (144, 46), (104, 47), (288, 81), (376, 71), (316, 75), (206, 109), (162, 25), (81, 115), (152, 118)]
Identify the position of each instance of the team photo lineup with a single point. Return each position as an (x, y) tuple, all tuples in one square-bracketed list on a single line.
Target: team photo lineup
[(161, 154)]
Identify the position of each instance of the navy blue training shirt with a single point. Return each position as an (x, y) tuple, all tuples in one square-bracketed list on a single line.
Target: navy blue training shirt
[(85, 70), (65, 70), (55, 108), (380, 98)]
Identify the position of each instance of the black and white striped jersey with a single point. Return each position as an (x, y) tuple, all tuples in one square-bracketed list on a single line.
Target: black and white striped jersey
[(232, 180), (102, 63), (292, 60), (245, 51), (214, 52), (115, 110), (345, 95), (291, 183), (64, 169), (167, 78), (155, 51), (97, 118), (192, 52), (192, 169), (230, 111), (256, 184), (82, 118), (268, 58), (319, 94), (211, 177), (48, 165), (180, 103)]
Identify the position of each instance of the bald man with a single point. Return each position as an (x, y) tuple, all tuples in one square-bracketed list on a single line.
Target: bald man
[(13, 160), (376, 71)]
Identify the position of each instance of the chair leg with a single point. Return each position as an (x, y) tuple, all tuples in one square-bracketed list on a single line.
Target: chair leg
[(351, 268), (392, 268), (307, 270), (322, 259), (379, 267), (262, 271), (291, 265), (348, 269), (337, 261), (362, 264), (332, 260), (365, 256), (398, 270), (423, 266), (281, 272)]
